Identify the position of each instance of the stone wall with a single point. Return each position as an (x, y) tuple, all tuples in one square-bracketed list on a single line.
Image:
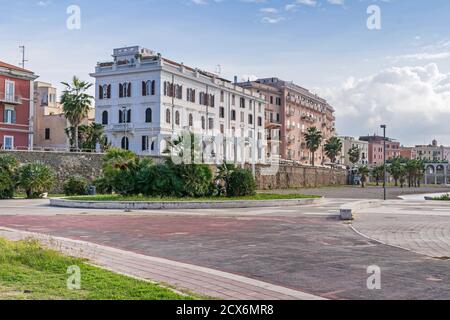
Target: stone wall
[(88, 165), (66, 164)]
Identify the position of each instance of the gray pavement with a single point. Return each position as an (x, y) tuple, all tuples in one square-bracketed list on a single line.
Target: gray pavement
[(306, 249)]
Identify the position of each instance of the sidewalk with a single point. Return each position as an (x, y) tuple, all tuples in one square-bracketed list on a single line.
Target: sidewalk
[(203, 281)]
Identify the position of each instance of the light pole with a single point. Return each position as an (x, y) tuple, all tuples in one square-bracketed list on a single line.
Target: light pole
[(384, 157)]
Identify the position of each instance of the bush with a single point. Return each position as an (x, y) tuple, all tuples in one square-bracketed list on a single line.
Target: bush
[(8, 178), (36, 179), (241, 183), (196, 179), (103, 186), (76, 186)]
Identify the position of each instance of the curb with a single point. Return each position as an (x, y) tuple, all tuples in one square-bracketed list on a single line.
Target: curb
[(130, 205), (348, 210)]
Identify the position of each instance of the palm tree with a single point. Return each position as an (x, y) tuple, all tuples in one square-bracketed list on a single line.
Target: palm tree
[(313, 139), (354, 155), (378, 174), (396, 170), (76, 104), (364, 173), (333, 148)]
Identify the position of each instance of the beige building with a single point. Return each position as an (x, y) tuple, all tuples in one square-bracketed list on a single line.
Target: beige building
[(349, 143), (291, 111), (431, 153), (49, 121)]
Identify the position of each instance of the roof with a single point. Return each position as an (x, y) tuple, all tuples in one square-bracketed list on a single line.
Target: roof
[(10, 66)]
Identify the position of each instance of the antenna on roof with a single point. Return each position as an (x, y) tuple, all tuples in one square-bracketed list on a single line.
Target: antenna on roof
[(22, 48)]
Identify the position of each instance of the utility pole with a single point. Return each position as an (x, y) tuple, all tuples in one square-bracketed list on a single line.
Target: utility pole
[(384, 151), (22, 48)]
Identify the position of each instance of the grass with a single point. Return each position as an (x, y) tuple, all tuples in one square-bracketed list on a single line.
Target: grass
[(445, 197), (30, 272), (259, 196)]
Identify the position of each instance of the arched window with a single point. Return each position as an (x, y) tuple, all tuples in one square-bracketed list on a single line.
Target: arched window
[(105, 118), (125, 143), (106, 91), (153, 87), (167, 116), (152, 146), (100, 92), (191, 120), (177, 118), (203, 123), (125, 90), (148, 115)]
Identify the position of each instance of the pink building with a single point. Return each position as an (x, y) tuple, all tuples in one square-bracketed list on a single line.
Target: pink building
[(376, 149)]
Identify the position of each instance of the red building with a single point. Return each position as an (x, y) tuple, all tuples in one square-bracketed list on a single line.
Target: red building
[(376, 149), (16, 107)]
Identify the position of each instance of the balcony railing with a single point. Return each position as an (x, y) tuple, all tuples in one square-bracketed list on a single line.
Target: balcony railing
[(122, 127), (10, 99)]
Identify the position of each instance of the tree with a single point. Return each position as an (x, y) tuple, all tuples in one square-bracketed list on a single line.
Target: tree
[(396, 170), (313, 139), (354, 155), (364, 173), (378, 174), (8, 176), (333, 148), (36, 178), (76, 104)]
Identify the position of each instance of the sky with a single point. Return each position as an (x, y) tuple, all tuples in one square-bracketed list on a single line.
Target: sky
[(398, 74)]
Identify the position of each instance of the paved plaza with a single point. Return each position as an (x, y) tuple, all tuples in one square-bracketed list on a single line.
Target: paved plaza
[(305, 250)]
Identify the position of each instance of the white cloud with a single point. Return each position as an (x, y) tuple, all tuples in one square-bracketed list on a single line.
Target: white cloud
[(413, 101)]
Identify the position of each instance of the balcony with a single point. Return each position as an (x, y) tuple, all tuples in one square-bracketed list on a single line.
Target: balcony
[(290, 113), (122, 127), (272, 124), (290, 127), (10, 99), (308, 118)]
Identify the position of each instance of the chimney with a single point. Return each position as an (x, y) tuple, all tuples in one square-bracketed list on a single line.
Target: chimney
[(235, 79)]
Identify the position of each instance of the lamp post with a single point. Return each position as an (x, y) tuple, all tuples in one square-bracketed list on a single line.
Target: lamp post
[(384, 157)]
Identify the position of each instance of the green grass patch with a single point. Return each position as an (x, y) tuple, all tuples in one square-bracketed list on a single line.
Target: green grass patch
[(445, 197), (259, 196), (30, 272)]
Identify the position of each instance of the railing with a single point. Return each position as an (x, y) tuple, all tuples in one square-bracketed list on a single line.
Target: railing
[(49, 149), (10, 99)]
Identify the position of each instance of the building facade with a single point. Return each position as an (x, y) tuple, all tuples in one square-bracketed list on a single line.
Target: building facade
[(296, 110), (49, 121), (143, 100), (347, 144), (376, 149), (16, 107), (431, 153)]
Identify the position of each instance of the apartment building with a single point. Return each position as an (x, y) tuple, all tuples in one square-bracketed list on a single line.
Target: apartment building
[(16, 107), (144, 99), (49, 121), (296, 110), (376, 149), (347, 144), (431, 153)]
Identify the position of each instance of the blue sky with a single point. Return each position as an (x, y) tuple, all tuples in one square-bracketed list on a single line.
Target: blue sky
[(323, 45)]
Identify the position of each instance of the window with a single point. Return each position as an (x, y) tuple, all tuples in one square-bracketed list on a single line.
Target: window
[(242, 103), (222, 96), (148, 116), (271, 100), (145, 143), (190, 95), (104, 92), (8, 142), (211, 123), (9, 116), (242, 117), (9, 90), (233, 100), (177, 118), (260, 122), (148, 88), (222, 129), (250, 119), (222, 112), (125, 116), (168, 116), (125, 90), (233, 115), (125, 143), (203, 123), (47, 133), (105, 118), (191, 120), (152, 146)]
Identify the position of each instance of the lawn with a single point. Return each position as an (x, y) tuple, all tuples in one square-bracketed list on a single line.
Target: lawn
[(259, 196), (445, 197), (30, 272)]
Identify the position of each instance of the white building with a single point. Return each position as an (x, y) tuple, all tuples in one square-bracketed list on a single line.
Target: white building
[(349, 143), (143, 100)]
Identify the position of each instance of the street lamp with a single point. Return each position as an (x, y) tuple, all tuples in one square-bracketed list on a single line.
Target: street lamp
[(384, 151)]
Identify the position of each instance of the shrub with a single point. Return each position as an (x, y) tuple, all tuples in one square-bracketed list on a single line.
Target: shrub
[(8, 170), (160, 180), (103, 186), (36, 179), (196, 179), (241, 183), (76, 186)]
